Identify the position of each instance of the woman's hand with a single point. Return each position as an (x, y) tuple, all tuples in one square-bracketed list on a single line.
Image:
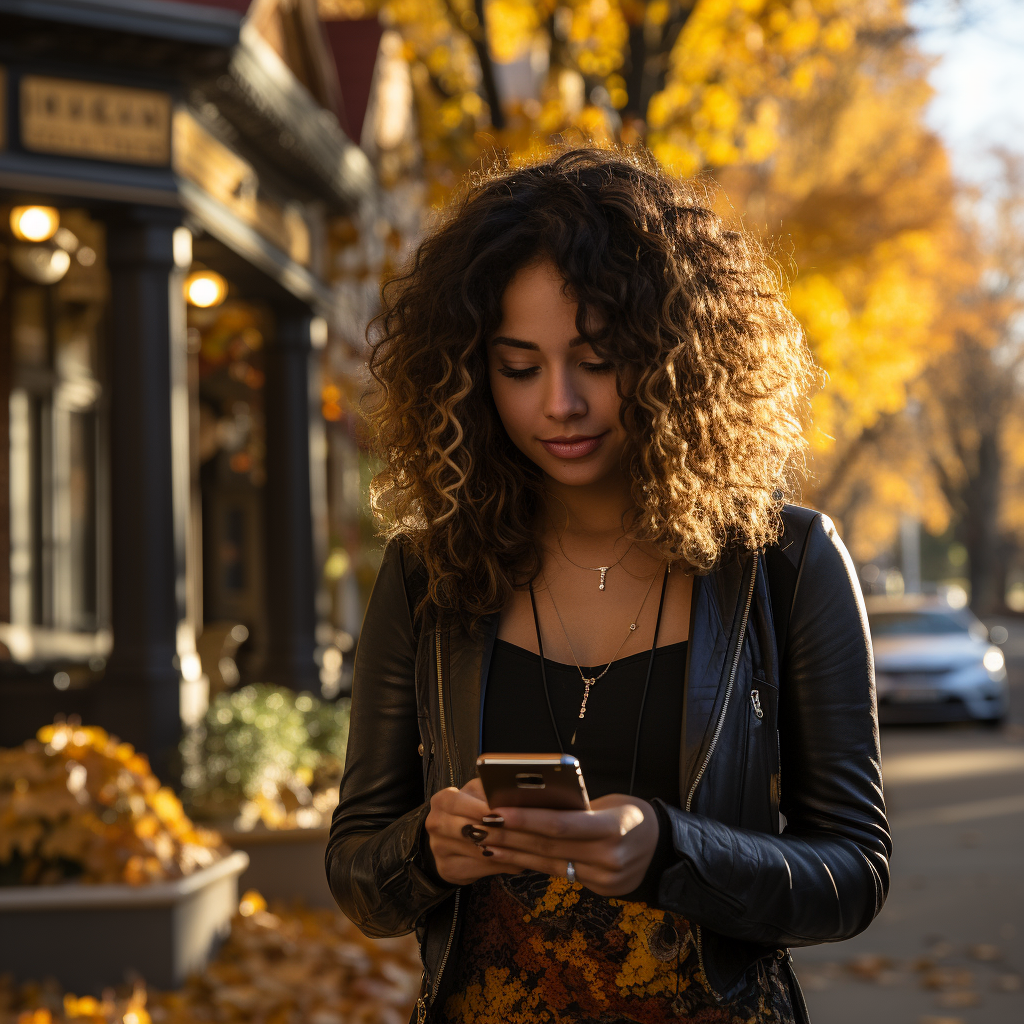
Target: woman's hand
[(454, 828), (610, 846)]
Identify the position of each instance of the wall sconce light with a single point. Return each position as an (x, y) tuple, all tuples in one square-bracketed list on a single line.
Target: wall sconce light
[(318, 332), (44, 264), (34, 223), (204, 289)]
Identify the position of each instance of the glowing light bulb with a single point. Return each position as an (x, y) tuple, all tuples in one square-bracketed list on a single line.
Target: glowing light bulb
[(204, 288), (993, 660), (191, 667), (34, 223)]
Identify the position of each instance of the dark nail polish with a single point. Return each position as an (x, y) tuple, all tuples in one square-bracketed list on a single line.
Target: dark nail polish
[(486, 852), (471, 832), (493, 820)]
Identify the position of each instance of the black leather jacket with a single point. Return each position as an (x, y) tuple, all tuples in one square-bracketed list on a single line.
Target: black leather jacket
[(763, 731)]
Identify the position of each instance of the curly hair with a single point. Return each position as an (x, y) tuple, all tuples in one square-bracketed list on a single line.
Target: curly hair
[(712, 370)]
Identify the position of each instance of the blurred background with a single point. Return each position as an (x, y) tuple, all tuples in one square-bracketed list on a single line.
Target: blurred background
[(198, 202)]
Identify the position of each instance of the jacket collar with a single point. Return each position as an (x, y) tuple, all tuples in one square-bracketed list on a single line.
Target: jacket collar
[(716, 611), (715, 614)]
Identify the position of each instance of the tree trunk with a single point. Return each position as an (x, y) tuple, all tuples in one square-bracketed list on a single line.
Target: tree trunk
[(636, 62), (981, 534), (648, 49), (487, 78)]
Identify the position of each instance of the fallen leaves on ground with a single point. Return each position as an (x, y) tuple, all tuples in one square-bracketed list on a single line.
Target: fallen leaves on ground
[(954, 986), (280, 966), (1008, 983), (869, 966), (940, 978), (985, 952), (959, 1000)]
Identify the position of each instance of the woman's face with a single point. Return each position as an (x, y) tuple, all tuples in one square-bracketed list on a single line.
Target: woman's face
[(556, 397)]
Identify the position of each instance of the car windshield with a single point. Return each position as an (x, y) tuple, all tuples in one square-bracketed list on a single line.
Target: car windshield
[(916, 623)]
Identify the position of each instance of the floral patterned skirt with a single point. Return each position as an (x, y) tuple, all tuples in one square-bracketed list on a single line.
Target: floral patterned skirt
[(541, 949)]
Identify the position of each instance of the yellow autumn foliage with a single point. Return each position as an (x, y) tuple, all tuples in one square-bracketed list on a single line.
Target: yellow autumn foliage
[(810, 115), (716, 67)]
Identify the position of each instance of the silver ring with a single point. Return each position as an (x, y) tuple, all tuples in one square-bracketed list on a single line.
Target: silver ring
[(570, 871)]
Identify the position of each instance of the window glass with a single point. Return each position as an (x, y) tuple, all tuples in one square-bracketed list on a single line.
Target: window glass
[(226, 354), (917, 623), (56, 417)]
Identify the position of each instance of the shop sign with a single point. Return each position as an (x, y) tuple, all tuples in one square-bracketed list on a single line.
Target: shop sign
[(102, 122), (233, 182)]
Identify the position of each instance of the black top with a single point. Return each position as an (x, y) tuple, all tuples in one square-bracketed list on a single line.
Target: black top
[(516, 717)]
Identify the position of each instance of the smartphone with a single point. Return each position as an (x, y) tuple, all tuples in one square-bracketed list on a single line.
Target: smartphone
[(533, 780)]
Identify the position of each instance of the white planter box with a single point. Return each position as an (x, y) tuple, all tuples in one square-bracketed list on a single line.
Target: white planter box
[(287, 864), (92, 936)]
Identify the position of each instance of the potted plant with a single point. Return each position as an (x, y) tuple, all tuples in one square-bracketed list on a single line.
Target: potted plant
[(101, 870), (264, 767)]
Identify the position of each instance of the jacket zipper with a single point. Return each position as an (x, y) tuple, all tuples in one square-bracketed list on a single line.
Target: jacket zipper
[(755, 700), (440, 701), (717, 733), (778, 747), (447, 949), (421, 1005)]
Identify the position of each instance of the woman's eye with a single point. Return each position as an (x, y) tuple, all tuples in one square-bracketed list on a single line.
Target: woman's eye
[(598, 367), (514, 374)]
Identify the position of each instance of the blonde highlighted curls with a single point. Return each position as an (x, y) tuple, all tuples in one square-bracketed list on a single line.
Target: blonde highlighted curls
[(712, 368)]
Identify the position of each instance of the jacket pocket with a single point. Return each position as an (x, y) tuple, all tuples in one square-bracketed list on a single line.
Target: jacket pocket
[(769, 701), (759, 801)]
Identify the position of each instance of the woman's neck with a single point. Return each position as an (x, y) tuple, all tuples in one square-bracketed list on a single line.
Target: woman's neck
[(593, 514)]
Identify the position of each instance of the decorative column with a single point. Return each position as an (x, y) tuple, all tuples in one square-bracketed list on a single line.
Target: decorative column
[(138, 698), (290, 574)]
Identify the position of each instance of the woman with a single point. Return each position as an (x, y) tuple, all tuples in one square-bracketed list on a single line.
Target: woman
[(588, 403)]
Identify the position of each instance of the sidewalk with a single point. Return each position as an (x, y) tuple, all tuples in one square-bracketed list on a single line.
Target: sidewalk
[(948, 947)]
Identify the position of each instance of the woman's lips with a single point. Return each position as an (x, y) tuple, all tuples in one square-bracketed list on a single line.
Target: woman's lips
[(572, 447)]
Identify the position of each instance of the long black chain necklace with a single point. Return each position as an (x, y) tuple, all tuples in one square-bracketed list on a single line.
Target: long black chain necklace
[(647, 680)]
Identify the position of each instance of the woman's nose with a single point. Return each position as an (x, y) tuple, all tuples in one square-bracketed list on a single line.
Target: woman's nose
[(563, 400)]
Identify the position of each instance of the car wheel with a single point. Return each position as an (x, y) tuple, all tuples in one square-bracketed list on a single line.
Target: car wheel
[(995, 723)]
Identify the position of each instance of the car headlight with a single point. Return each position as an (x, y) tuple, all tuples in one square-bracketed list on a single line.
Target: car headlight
[(993, 660)]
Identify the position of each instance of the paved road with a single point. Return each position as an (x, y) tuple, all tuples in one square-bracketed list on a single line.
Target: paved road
[(948, 947)]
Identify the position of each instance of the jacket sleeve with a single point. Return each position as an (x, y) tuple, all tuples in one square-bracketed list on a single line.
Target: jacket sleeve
[(827, 875), (375, 859)]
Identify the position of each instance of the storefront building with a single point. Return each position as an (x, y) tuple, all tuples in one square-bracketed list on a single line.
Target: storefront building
[(169, 172)]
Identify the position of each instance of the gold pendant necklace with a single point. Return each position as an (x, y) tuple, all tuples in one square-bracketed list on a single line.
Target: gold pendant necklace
[(588, 682), (602, 569)]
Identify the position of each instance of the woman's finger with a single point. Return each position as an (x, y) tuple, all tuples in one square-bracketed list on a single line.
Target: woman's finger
[(592, 851), (442, 847), (556, 867), (597, 824), (466, 804), (458, 802), (521, 859), (475, 788), (456, 828), (460, 868), (595, 877)]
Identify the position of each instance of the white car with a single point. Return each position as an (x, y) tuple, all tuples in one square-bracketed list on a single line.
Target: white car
[(934, 663)]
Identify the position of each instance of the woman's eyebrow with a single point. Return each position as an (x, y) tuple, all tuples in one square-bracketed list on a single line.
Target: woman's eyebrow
[(501, 339)]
